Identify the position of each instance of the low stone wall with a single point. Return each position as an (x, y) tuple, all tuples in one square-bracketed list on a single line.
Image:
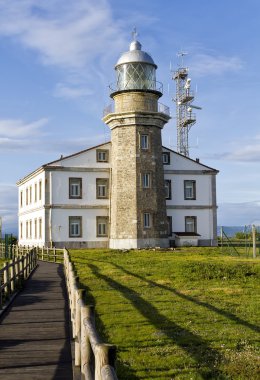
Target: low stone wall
[(81, 244)]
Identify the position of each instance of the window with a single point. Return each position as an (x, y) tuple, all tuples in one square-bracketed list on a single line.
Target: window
[(147, 220), (35, 228), (30, 195), (168, 188), (40, 190), (21, 199), (189, 189), (102, 188), (144, 142), (146, 180), (102, 226), (26, 198), (40, 228), (21, 230), (26, 231), (166, 158), (75, 226), (75, 188), (102, 155), (35, 192), (30, 229), (169, 222), (191, 224)]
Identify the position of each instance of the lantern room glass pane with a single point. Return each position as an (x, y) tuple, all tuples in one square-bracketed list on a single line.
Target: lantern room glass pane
[(136, 76)]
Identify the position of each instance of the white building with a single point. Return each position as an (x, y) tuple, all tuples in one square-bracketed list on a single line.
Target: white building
[(67, 202), (128, 193)]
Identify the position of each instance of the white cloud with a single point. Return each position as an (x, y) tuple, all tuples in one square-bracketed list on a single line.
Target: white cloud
[(67, 34), (239, 214), (206, 64), (71, 92), (19, 136), (245, 150), (8, 207), (13, 128), (247, 153)]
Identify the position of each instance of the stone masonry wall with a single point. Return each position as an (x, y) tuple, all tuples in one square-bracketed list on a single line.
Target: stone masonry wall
[(136, 114)]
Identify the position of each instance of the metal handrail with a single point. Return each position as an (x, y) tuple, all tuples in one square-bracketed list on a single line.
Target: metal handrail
[(138, 85), (162, 108)]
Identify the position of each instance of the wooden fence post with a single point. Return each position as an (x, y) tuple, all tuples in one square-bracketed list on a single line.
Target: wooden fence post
[(7, 279), (12, 275), (74, 288), (254, 240), (105, 355), (22, 269), (1, 295), (80, 296), (87, 356), (17, 272)]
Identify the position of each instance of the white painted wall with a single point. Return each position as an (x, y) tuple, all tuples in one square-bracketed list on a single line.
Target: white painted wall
[(84, 159), (31, 211), (60, 187), (205, 196), (60, 225), (89, 207), (204, 221)]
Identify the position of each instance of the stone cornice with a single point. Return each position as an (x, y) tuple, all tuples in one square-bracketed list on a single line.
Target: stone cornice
[(127, 119)]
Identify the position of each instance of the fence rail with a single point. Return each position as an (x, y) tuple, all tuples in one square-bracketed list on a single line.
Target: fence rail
[(248, 244), (14, 273), (96, 359), (50, 254)]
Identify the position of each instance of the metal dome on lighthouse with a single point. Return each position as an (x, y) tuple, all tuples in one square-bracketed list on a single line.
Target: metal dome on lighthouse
[(136, 70)]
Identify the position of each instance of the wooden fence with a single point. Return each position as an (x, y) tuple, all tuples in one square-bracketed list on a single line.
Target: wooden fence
[(11, 250), (14, 273), (96, 359), (54, 255)]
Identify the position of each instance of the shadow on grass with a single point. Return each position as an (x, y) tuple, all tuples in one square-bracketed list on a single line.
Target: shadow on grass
[(215, 309), (207, 358), (100, 327)]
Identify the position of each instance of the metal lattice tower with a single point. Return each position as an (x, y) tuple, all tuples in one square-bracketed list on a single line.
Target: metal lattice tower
[(184, 116)]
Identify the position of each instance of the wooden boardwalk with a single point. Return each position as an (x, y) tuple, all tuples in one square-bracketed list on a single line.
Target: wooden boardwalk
[(35, 332)]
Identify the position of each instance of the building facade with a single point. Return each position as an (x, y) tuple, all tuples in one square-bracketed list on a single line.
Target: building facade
[(128, 193)]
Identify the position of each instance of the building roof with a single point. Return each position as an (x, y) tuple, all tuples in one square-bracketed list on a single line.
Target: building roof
[(197, 161), (58, 161)]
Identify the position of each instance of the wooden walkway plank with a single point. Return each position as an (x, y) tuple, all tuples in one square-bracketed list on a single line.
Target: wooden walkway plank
[(35, 330)]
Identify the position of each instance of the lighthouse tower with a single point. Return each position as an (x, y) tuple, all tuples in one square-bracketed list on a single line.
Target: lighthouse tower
[(138, 207)]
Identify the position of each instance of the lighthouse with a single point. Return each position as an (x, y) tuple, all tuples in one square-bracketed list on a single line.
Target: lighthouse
[(137, 190)]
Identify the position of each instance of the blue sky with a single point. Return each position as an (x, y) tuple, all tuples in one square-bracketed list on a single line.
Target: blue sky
[(57, 60)]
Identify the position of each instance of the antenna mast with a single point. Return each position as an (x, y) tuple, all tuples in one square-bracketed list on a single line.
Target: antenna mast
[(184, 116)]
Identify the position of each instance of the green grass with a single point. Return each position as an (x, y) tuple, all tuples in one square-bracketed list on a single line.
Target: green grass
[(185, 314)]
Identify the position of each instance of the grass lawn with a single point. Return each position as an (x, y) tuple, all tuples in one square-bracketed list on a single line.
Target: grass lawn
[(191, 313)]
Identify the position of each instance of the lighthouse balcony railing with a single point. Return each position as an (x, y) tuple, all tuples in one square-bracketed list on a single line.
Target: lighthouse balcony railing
[(136, 84), (149, 106)]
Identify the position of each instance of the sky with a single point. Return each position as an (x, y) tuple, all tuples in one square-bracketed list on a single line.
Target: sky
[(57, 61)]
